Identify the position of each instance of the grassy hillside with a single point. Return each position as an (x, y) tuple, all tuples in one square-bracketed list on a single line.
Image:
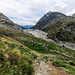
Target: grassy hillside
[(19, 50), (15, 58), (17, 55)]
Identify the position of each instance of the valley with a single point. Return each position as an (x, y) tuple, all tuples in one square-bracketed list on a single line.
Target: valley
[(32, 52), (43, 35)]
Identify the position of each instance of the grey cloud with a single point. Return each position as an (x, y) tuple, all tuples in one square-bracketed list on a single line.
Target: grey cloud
[(60, 7), (34, 8)]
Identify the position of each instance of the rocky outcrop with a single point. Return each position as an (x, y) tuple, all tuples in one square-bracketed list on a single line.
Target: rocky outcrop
[(6, 21), (73, 15), (64, 31)]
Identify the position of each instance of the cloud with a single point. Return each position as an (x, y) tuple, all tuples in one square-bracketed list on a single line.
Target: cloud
[(60, 7), (71, 12), (26, 21), (23, 9), (28, 12)]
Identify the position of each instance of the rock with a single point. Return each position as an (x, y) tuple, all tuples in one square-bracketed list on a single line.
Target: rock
[(37, 63), (6, 21), (50, 69), (46, 66), (38, 73)]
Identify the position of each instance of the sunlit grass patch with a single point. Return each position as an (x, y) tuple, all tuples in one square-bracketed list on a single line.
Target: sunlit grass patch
[(15, 59)]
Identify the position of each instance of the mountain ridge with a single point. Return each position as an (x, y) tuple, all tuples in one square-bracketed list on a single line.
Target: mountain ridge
[(26, 26), (47, 18), (6, 21), (58, 26)]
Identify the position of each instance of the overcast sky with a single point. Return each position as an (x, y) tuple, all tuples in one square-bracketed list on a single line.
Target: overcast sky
[(28, 12)]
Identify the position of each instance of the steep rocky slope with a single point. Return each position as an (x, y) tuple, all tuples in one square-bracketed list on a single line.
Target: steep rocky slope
[(62, 29), (58, 26), (47, 18), (6, 21)]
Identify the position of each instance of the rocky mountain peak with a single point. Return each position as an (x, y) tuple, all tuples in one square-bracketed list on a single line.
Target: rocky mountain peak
[(47, 18)]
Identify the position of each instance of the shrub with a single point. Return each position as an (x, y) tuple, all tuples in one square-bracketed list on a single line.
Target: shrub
[(34, 56), (1, 56), (61, 64), (51, 59), (46, 58), (58, 63), (26, 58), (72, 63), (26, 68), (14, 55), (12, 45)]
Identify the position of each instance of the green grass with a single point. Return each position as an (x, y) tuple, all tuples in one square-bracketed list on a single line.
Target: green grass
[(15, 59), (20, 68), (72, 63), (34, 44), (13, 53), (46, 59)]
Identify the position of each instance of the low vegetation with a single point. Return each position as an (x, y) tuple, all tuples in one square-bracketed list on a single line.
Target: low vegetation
[(71, 70), (15, 58)]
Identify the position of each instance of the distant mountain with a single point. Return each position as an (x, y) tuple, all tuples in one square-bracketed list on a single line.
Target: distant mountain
[(58, 26), (26, 26)]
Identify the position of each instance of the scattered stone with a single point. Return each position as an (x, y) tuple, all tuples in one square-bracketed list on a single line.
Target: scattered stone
[(46, 66), (39, 73), (5, 20), (50, 69)]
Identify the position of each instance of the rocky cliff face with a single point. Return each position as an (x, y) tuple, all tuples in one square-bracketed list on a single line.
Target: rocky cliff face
[(47, 18), (63, 33), (6, 21), (58, 26)]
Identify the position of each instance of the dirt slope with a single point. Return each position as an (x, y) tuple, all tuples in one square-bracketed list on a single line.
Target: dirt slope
[(42, 67)]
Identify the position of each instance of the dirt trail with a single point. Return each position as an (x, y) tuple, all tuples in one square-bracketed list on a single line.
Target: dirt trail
[(41, 67), (47, 69)]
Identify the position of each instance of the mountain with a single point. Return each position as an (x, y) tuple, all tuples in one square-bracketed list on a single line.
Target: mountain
[(47, 18), (6, 21), (26, 26), (58, 26), (23, 54)]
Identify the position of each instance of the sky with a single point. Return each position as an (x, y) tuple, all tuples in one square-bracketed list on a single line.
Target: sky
[(28, 12)]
